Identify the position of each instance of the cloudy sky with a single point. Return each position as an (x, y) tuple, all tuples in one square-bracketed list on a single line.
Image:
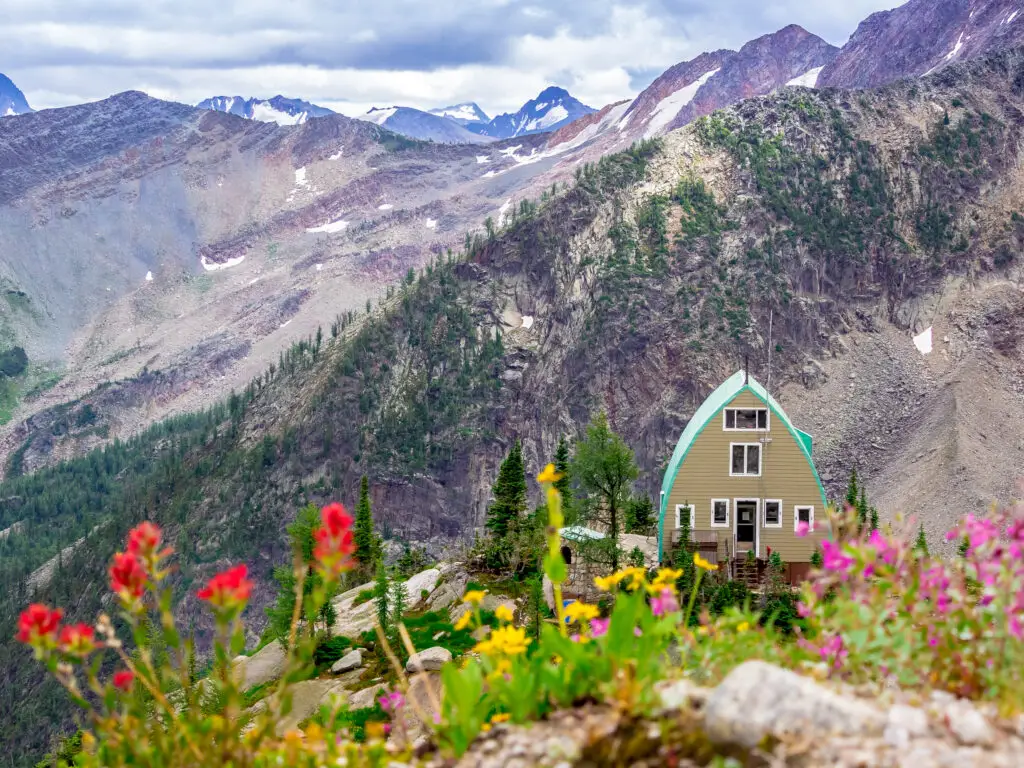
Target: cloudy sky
[(353, 54)]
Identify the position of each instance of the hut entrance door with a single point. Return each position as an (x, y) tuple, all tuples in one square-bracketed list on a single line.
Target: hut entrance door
[(746, 525)]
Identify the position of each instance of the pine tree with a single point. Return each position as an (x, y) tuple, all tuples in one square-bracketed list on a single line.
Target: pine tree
[(399, 597), (862, 510), (382, 596), (684, 556), (874, 519), (509, 495), (921, 543), (852, 490), (535, 608), (562, 468), (367, 543)]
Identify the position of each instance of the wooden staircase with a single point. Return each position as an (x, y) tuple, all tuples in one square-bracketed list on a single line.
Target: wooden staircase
[(746, 571)]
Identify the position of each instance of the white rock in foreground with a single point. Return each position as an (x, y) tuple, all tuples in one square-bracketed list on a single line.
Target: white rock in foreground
[(757, 700), (266, 664), (350, 661), (429, 660)]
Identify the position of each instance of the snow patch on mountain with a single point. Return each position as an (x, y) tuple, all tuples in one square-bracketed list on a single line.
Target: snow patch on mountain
[(330, 227), (669, 107), (213, 266), (431, 223), (464, 114), (556, 114), (481, 159), (379, 115), (949, 56), (12, 100), (808, 79), (1009, 19), (267, 114)]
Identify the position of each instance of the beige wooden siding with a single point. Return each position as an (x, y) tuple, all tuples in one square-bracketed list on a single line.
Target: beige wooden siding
[(785, 475)]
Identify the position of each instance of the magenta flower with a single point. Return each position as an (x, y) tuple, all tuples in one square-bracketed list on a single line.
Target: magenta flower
[(833, 558), (392, 702), (599, 627), (803, 528), (664, 603)]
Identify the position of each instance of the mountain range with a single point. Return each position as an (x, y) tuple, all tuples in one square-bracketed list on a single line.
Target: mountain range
[(262, 313), (278, 109)]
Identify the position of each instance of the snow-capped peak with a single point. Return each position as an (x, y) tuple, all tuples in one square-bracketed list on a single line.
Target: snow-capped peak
[(280, 110), (464, 114), (553, 108), (12, 100)]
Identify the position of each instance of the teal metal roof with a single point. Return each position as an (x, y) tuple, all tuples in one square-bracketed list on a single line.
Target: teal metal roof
[(732, 387), (579, 533)]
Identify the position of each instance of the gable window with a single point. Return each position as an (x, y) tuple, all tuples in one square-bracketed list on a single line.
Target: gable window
[(772, 513), (803, 515), (746, 419), (719, 513), (684, 512), (745, 459)]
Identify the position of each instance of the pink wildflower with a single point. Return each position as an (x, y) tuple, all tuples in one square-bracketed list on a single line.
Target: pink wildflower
[(803, 528), (599, 627), (392, 702), (664, 603)]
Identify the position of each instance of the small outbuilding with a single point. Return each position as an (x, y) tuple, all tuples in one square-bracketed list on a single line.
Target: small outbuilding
[(742, 480)]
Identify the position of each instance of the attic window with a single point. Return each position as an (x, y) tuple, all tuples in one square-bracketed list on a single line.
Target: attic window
[(746, 419), (745, 459)]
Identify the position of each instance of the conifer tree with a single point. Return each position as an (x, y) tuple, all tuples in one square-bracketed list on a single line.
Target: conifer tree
[(921, 543), (874, 519), (562, 468), (399, 597), (382, 596), (862, 510), (509, 495), (366, 540), (852, 491)]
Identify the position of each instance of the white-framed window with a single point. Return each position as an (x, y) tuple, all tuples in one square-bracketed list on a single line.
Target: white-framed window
[(745, 459), (719, 513), (685, 509), (803, 515), (745, 419), (773, 513)]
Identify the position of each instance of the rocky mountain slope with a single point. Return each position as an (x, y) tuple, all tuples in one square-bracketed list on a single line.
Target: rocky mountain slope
[(823, 229), (425, 126), (922, 37), (12, 100), (553, 108), (278, 109)]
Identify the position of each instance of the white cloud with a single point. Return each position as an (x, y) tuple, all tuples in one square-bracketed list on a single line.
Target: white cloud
[(351, 56)]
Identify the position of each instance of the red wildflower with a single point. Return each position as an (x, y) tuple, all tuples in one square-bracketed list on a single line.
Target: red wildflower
[(77, 640), (38, 625), (335, 543), (127, 575), (123, 680), (144, 539), (229, 589)]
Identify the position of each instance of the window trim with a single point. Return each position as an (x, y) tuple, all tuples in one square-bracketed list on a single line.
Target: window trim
[(760, 460), (728, 515), (764, 512), (768, 419), (693, 515), (796, 515)]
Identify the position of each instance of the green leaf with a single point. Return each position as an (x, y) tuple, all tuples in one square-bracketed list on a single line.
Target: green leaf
[(554, 567)]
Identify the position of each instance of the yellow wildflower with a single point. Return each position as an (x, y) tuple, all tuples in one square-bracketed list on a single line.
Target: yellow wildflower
[(474, 597), (666, 579), (549, 475), (485, 727), (637, 577), (742, 627), (700, 562), (502, 668), (607, 583), (463, 621), (702, 629), (506, 640), (503, 613), (501, 717), (578, 611)]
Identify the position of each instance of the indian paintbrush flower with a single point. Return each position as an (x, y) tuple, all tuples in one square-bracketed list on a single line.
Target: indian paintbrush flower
[(228, 590), (335, 542), (128, 576), (38, 626), (77, 640)]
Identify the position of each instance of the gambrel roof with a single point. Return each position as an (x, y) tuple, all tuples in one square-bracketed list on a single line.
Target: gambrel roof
[(735, 385)]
